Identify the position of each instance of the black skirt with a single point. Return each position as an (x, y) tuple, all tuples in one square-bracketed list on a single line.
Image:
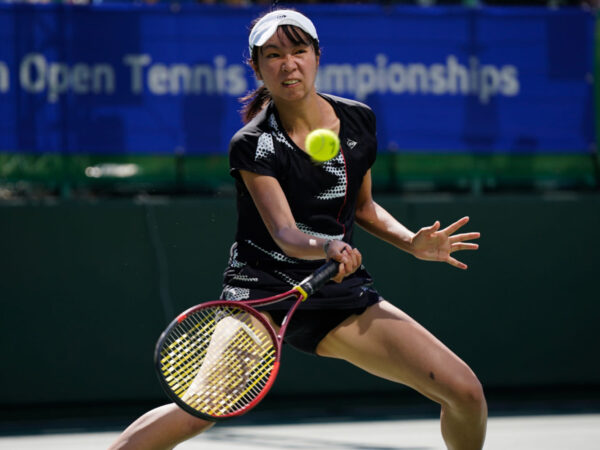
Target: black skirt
[(247, 282)]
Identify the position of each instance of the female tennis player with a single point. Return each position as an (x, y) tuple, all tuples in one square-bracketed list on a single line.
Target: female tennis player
[(294, 214)]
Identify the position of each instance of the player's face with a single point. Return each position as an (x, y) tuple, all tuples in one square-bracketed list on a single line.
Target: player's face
[(287, 70)]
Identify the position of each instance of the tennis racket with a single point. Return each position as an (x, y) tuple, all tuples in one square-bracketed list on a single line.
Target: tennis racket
[(219, 359)]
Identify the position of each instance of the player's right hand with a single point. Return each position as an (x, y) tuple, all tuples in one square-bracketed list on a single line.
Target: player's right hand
[(349, 258)]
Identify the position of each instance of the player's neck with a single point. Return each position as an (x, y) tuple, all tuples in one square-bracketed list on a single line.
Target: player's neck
[(305, 115), (301, 117)]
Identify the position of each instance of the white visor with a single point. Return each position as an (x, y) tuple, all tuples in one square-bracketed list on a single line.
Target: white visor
[(266, 27)]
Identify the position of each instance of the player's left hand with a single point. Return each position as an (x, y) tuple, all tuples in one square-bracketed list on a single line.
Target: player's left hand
[(433, 244)]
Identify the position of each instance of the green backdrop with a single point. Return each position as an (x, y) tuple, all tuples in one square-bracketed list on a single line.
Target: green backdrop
[(86, 288)]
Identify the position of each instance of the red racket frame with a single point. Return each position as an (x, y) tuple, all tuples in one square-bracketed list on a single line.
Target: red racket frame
[(300, 292)]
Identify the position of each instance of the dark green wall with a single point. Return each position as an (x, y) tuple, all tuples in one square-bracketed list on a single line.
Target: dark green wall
[(86, 289)]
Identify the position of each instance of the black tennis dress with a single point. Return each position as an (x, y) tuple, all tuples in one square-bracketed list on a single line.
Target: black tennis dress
[(322, 198)]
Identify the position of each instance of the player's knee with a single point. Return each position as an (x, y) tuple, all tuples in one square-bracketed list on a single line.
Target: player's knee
[(194, 426), (467, 395)]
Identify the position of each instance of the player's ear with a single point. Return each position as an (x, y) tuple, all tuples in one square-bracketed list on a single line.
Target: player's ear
[(256, 71), (317, 55)]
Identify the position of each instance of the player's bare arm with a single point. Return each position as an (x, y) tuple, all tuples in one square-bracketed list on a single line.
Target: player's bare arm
[(275, 212), (429, 243), (377, 221)]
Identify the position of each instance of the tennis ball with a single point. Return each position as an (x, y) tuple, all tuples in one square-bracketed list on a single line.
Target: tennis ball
[(322, 144)]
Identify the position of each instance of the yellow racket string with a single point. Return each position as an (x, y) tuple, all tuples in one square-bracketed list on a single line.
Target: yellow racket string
[(218, 361), (221, 387), (226, 382), (182, 358)]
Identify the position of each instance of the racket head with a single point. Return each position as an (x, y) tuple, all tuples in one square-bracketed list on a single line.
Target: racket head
[(217, 360)]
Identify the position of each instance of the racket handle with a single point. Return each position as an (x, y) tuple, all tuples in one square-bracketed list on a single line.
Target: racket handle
[(319, 277)]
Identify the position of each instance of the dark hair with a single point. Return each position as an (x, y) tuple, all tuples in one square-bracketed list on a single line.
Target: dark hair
[(256, 100)]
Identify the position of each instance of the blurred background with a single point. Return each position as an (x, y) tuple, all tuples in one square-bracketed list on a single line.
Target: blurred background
[(117, 210)]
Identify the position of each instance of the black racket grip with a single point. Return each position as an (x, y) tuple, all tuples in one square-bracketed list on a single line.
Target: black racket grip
[(319, 277)]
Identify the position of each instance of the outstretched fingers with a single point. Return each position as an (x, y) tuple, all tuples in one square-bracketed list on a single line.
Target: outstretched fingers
[(457, 241), (463, 237), (463, 246), (451, 229), (456, 263)]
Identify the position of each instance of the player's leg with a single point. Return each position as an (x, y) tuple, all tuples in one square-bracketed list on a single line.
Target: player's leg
[(388, 343), (160, 429)]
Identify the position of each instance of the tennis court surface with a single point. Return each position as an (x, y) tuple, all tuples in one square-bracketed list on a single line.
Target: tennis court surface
[(548, 432)]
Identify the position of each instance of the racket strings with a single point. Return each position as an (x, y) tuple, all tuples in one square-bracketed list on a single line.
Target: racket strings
[(180, 357), (218, 360), (229, 382)]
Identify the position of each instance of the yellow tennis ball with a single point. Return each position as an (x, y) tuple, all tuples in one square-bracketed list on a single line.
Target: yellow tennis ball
[(322, 144)]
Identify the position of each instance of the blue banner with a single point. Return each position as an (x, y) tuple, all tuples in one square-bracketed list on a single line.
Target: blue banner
[(114, 80)]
